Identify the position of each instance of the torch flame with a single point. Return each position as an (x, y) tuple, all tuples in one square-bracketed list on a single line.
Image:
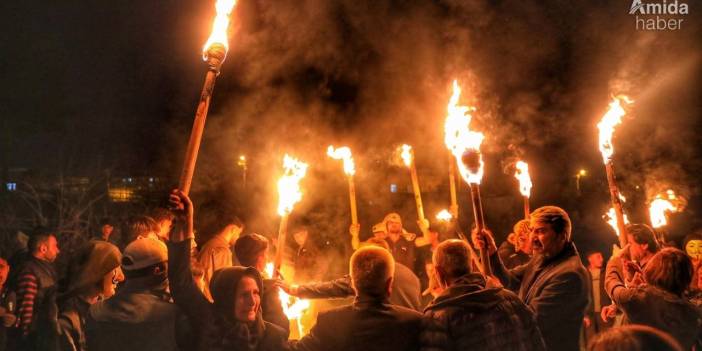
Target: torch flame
[(406, 154), (611, 216), (611, 119), (663, 204), (269, 270), (289, 192), (219, 26), (343, 153), (460, 139), (293, 307), (522, 175), (444, 215)]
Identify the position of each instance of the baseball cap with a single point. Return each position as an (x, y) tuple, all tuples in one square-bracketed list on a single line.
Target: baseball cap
[(142, 253)]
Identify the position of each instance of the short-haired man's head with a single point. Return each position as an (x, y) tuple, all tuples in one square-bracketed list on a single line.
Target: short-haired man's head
[(521, 227), (40, 236), (248, 248), (643, 234), (670, 269), (372, 269), (138, 227), (556, 217), (376, 242), (452, 259)]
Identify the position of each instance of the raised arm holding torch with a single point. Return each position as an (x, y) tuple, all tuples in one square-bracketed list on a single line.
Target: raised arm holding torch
[(344, 153), (289, 194), (214, 53), (465, 147), (522, 175), (612, 118)]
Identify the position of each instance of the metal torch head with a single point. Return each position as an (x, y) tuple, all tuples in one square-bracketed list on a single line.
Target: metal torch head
[(215, 55)]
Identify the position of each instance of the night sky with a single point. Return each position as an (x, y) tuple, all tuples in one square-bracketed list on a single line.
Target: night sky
[(113, 85)]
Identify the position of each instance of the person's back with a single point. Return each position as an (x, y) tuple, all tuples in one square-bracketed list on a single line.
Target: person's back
[(371, 322), (140, 316), (467, 313)]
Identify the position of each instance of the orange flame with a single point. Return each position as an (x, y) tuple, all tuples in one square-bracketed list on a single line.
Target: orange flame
[(444, 215), (522, 175), (663, 204), (611, 119), (460, 139), (611, 217), (343, 153), (406, 154), (289, 192), (219, 26)]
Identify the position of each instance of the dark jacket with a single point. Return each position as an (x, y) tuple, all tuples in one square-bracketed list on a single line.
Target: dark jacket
[(403, 251), (405, 289), (467, 315), (212, 326), (556, 290), (138, 317), (652, 306), (368, 324)]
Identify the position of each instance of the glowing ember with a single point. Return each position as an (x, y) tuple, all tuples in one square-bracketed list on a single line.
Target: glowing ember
[(463, 142), (611, 217), (289, 192), (406, 154), (611, 119), (293, 307), (219, 26), (269, 270), (522, 174), (444, 215), (663, 204), (343, 153)]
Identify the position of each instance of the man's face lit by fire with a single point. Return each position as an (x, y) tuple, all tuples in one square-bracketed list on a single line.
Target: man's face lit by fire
[(544, 240), (694, 249), (638, 252), (595, 260), (248, 300), (300, 237), (394, 227)]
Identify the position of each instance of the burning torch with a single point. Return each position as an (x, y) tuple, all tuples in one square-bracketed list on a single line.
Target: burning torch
[(522, 175), (214, 53), (611, 119), (407, 155), (660, 207), (465, 146), (289, 194), (344, 153)]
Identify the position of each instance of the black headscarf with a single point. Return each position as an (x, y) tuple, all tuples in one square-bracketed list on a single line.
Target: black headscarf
[(233, 334)]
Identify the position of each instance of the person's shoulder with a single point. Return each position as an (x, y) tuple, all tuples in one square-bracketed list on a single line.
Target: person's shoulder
[(274, 332), (405, 313)]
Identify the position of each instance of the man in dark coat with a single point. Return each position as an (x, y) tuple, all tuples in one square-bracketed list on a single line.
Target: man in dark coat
[(469, 315), (371, 322), (554, 283), (405, 285)]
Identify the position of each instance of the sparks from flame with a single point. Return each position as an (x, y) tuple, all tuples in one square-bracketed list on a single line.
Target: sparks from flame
[(219, 26), (611, 217), (343, 153), (406, 154), (522, 175), (289, 192), (611, 119), (662, 205), (444, 215), (460, 139)]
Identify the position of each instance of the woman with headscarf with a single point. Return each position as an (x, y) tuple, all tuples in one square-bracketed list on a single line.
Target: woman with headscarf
[(233, 321)]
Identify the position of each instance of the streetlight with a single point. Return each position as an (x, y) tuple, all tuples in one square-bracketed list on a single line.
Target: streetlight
[(581, 173), (242, 163)]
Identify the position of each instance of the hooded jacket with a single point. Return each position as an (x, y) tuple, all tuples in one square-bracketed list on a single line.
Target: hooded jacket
[(213, 324), (468, 315)]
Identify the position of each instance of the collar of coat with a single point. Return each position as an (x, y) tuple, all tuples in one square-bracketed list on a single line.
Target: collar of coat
[(467, 291)]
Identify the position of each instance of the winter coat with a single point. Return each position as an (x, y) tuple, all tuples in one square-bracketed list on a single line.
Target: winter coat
[(556, 290), (655, 307), (139, 317), (369, 324), (403, 251), (212, 324), (215, 254), (405, 289), (468, 315)]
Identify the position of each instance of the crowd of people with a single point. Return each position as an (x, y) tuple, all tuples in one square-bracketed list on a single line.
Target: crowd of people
[(155, 289)]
